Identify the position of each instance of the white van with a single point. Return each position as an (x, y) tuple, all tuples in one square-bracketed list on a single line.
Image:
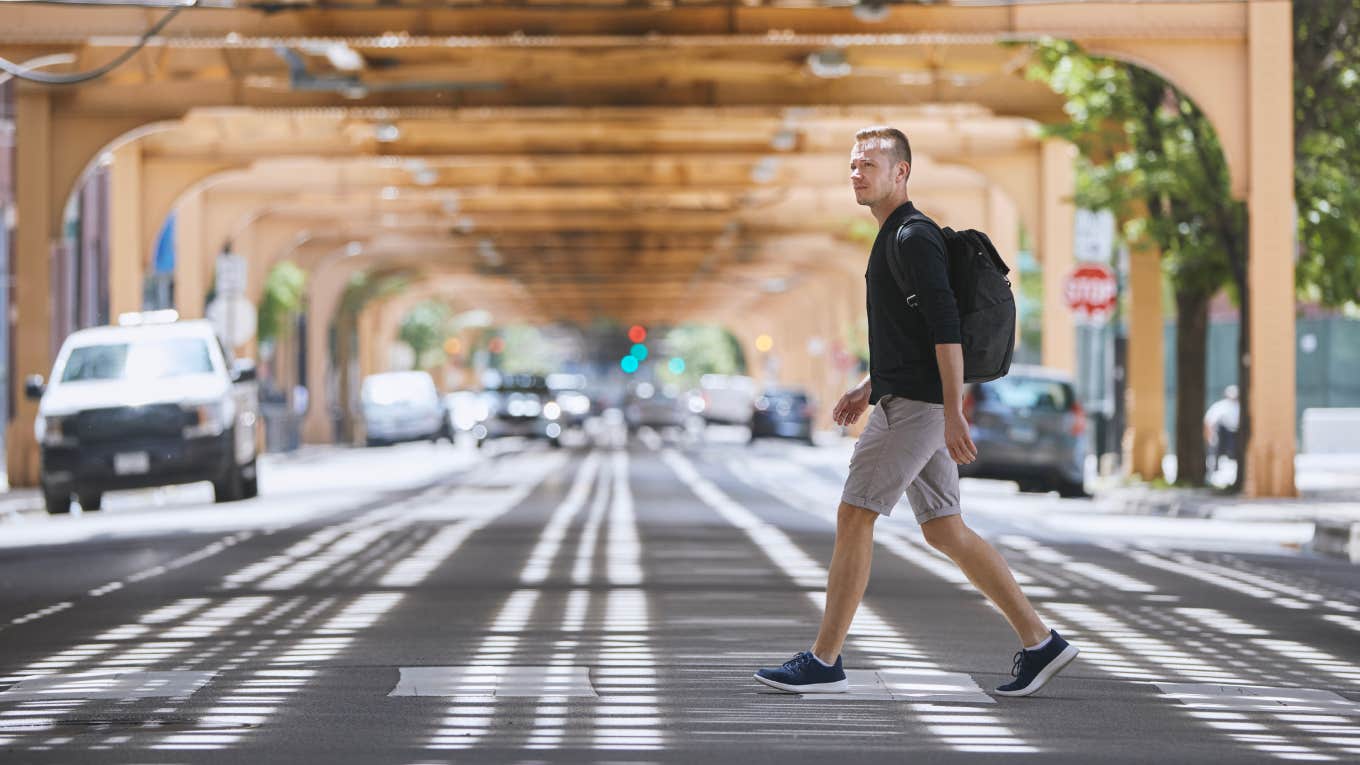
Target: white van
[(149, 404), (402, 406), (728, 399)]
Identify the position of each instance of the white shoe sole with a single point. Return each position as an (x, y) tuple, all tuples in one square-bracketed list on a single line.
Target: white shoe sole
[(1047, 673), (840, 686)]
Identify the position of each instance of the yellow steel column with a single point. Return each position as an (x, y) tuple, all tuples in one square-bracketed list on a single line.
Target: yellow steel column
[(33, 238), (127, 259), (1145, 439), (1003, 228), (190, 264), (1270, 200), (1058, 220), (324, 288)]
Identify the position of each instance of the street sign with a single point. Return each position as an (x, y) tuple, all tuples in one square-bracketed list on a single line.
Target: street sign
[(1092, 291), (231, 275), (1094, 241)]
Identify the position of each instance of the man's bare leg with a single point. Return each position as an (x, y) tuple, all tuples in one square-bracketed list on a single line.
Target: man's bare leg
[(988, 572), (846, 579)]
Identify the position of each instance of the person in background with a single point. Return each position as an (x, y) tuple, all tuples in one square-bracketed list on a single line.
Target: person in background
[(1220, 427)]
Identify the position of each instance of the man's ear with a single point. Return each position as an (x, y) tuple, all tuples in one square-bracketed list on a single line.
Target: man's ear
[(906, 172)]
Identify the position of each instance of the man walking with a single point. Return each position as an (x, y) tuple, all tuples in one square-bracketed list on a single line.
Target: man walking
[(915, 436)]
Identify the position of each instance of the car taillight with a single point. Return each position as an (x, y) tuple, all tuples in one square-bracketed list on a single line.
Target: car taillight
[(1078, 419), (969, 406)]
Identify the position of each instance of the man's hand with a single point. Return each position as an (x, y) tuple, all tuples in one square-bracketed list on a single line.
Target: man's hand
[(957, 438), (851, 405)]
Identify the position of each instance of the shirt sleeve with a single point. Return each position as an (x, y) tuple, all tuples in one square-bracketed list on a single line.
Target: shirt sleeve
[(922, 251)]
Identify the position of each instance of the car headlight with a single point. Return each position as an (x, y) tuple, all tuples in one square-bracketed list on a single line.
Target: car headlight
[(551, 410), (51, 431), (210, 419)]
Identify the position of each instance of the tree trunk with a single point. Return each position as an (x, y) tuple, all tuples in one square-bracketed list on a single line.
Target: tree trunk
[(1192, 339)]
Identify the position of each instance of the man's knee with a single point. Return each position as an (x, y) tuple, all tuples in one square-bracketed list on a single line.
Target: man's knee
[(853, 515), (946, 534)]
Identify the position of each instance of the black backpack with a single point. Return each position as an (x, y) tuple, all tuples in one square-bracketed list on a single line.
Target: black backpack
[(977, 275)]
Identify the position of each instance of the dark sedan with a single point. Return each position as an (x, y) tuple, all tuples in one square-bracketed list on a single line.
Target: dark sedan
[(1029, 428), (782, 413)]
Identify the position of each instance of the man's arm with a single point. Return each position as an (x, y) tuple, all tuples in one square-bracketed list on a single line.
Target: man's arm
[(852, 404), (956, 436)]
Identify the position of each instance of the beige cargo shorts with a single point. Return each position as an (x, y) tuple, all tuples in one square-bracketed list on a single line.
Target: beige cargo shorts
[(902, 449)]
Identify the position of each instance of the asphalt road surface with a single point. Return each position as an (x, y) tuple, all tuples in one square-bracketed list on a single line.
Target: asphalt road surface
[(432, 604)]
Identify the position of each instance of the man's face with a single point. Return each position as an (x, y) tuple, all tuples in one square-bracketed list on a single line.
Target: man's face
[(873, 172)]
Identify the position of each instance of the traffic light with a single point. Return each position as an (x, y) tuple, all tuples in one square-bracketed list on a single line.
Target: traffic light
[(677, 366), (639, 352), (629, 364), (637, 333)]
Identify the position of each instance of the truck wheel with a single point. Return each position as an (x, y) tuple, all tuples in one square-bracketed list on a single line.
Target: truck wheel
[(1072, 490), (57, 502), (91, 500), (250, 480), (230, 487)]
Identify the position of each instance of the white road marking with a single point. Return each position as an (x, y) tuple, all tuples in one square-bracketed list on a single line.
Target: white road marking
[(117, 685), (553, 680), (1261, 698)]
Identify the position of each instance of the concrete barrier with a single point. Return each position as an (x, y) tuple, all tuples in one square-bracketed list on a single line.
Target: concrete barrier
[(1331, 430), (1339, 539)]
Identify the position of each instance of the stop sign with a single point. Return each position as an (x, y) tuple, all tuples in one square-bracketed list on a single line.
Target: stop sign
[(1092, 290)]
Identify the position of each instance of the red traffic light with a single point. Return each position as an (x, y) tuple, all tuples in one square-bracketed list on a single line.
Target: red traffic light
[(637, 333)]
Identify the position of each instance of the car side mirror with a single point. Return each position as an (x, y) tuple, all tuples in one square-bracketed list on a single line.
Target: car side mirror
[(242, 370), (34, 387)]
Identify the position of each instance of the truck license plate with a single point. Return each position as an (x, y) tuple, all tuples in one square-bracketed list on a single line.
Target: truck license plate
[(131, 463)]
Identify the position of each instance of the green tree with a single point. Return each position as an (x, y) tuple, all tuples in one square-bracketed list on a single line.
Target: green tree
[(424, 328), (706, 349), (284, 290), (1327, 149)]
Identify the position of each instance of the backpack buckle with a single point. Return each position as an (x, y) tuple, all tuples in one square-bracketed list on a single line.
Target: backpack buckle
[(913, 301)]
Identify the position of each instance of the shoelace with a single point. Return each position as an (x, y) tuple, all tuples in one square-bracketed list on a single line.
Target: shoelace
[(1019, 663), (798, 661)]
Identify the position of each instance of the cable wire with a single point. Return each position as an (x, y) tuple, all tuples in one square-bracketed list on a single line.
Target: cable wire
[(24, 73)]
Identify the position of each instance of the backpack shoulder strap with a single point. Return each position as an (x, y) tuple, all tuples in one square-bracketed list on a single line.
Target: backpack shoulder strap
[(894, 263)]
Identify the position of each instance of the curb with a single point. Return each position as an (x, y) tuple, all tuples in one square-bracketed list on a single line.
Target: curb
[(1339, 539)]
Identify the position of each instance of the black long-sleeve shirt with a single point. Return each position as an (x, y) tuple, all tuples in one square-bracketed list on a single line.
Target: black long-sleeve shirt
[(902, 338)]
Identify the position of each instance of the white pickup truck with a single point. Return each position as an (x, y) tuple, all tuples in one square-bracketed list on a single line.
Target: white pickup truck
[(149, 404)]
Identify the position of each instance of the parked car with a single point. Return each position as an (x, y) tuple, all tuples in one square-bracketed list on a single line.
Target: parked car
[(401, 406), (727, 399), (1029, 428), (521, 406), (783, 413), (659, 408), (152, 402)]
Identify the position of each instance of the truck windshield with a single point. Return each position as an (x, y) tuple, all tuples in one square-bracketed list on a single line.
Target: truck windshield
[(144, 360)]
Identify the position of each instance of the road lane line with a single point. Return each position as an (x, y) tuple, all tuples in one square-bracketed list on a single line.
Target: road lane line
[(550, 539), (590, 534)]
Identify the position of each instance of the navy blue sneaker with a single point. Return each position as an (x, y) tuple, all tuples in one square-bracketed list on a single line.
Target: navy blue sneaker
[(1033, 669), (804, 674)]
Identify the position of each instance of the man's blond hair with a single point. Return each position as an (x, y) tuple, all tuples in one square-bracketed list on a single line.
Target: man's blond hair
[(890, 138)]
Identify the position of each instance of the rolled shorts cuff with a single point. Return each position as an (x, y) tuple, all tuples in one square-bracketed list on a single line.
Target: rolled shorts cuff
[(939, 512), (878, 506)]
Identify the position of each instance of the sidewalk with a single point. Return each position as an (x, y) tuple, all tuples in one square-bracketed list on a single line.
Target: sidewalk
[(1329, 498)]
